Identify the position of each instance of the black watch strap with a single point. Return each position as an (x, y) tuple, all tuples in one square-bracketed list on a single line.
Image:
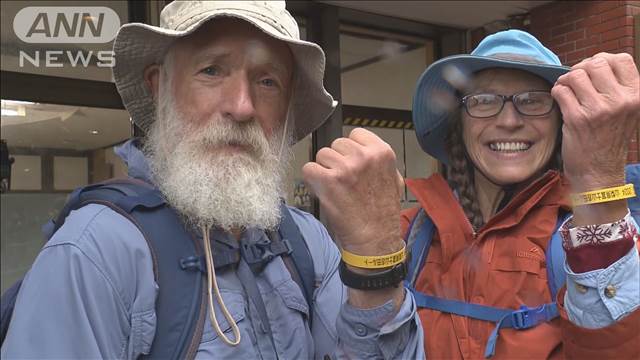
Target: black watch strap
[(373, 281)]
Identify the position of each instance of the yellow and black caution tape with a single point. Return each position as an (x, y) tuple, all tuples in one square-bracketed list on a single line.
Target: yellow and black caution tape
[(381, 123)]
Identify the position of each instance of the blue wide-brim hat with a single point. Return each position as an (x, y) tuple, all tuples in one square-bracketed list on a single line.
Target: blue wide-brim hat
[(444, 82)]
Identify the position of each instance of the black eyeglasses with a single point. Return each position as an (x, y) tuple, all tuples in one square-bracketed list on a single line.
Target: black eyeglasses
[(530, 103)]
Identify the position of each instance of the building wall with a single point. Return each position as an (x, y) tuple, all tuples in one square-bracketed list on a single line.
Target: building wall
[(576, 30)]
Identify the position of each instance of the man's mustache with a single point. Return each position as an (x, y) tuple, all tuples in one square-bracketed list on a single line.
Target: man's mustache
[(252, 142)]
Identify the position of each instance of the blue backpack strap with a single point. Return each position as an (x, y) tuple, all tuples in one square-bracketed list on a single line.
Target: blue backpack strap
[(7, 303), (525, 317), (521, 319), (418, 239), (122, 195), (632, 173), (302, 260), (555, 254), (555, 257), (179, 313)]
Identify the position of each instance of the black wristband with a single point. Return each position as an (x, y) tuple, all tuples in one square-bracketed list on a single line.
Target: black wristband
[(373, 281)]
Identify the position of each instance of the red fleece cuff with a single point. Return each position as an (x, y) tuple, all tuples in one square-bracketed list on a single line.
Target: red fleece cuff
[(590, 257)]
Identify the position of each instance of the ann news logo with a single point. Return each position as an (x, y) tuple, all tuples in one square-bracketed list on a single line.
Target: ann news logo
[(66, 25)]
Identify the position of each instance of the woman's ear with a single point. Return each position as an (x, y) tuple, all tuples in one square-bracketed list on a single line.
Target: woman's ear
[(152, 78)]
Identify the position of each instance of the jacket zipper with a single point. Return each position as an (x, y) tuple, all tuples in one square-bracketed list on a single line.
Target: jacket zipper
[(467, 265)]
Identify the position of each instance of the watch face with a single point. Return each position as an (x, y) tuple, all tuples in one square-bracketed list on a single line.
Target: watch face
[(373, 281)]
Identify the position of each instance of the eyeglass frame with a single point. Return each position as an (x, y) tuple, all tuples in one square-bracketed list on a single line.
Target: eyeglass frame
[(505, 98)]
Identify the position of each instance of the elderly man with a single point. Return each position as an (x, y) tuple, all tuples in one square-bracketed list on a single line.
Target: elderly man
[(222, 89)]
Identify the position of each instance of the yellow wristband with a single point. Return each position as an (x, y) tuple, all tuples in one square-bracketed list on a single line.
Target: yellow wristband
[(603, 195), (374, 262)]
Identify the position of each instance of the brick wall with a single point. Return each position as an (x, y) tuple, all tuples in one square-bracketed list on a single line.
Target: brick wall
[(578, 29)]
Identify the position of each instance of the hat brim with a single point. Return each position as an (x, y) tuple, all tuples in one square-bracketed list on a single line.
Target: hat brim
[(140, 45), (437, 94)]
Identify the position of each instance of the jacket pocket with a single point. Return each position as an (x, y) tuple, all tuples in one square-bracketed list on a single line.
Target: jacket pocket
[(518, 281), (517, 264), (289, 319), (236, 306)]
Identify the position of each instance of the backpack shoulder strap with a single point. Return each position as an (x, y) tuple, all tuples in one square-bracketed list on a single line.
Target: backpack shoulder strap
[(179, 313), (555, 254), (7, 303), (555, 257), (418, 239), (301, 256), (632, 174), (121, 195)]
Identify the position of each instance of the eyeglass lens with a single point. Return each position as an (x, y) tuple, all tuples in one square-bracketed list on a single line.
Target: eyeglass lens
[(532, 103)]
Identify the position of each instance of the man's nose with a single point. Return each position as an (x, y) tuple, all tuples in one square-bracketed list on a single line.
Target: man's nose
[(239, 105)]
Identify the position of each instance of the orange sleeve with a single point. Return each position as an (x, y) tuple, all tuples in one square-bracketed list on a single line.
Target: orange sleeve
[(406, 216), (620, 340)]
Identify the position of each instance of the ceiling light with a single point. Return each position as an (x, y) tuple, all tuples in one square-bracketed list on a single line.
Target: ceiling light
[(16, 102), (14, 108), (10, 112), (94, 132)]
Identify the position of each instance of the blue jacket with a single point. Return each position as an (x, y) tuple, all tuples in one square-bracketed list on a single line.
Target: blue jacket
[(91, 294)]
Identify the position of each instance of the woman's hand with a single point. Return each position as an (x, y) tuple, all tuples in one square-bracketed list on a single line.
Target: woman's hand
[(600, 104)]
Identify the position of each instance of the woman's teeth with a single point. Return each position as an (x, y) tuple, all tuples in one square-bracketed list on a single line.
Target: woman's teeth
[(509, 146)]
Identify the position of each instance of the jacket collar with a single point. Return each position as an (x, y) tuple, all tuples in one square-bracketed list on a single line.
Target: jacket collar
[(454, 230), (135, 160)]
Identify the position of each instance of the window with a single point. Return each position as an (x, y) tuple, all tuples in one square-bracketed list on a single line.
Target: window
[(378, 75)]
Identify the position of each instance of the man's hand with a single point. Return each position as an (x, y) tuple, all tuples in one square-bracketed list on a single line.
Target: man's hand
[(600, 103), (359, 189)]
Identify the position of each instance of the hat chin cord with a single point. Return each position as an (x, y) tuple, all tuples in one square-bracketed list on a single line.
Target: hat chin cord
[(284, 130), (284, 137), (212, 287)]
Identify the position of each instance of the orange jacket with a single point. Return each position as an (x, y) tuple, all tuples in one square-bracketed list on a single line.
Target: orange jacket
[(503, 265)]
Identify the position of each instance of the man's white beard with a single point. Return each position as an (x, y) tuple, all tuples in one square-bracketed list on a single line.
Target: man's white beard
[(211, 187)]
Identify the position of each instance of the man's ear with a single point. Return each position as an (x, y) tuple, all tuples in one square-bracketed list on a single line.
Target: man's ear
[(152, 78)]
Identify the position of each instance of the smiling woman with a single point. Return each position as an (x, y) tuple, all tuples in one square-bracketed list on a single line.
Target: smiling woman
[(506, 145), (519, 133)]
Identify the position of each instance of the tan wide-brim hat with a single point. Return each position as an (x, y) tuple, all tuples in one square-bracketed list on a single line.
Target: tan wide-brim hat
[(140, 45)]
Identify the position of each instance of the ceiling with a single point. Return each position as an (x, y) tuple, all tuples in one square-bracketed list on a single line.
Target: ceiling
[(36, 125), (460, 14)]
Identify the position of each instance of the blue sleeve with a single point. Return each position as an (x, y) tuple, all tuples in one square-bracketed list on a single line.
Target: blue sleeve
[(599, 298), (83, 297), (590, 304), (355, 333), (377, 334)]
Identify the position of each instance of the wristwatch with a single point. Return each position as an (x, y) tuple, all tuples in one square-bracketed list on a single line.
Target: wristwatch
[(375, 280)]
